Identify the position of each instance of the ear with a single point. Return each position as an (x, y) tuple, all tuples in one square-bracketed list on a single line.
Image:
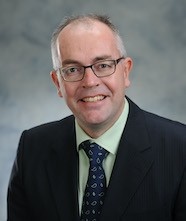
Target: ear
[(128, 63), (54, 77)]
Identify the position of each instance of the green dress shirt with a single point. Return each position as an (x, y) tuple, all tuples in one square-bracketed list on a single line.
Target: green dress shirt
[(109, 140)]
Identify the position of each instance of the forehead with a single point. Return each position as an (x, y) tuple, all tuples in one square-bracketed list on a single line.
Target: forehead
[(90, 38)]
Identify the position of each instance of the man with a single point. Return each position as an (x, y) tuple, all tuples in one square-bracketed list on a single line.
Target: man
[(142, 172)]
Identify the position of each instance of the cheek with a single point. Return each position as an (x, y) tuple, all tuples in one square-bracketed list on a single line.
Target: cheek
[(68, 90), (117, 83), (122, 79)]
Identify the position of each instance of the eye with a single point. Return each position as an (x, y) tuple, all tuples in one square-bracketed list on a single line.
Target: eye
[(72, 70), (104, 65)]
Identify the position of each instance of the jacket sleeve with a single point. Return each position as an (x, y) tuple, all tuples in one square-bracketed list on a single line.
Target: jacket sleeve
[(17, 205), (180, 205)]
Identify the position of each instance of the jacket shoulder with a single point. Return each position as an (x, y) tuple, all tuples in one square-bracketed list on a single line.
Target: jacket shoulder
[(162, 123), (40, 140), (158, 126), (55, 126)]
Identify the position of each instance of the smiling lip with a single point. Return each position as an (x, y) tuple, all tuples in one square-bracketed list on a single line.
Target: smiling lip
[(93, 99)]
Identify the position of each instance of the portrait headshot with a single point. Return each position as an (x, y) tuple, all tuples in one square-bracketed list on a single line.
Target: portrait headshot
[(93, 124)]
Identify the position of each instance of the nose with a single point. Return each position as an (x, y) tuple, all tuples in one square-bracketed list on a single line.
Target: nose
[(90, 79)]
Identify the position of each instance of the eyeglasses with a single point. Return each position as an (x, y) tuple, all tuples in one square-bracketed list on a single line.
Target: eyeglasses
[(100, 69)]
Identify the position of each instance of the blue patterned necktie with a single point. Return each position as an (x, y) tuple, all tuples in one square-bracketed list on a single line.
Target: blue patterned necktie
[(96, 184)]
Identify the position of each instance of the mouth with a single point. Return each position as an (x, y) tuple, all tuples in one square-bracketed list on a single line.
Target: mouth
[(94, 99)]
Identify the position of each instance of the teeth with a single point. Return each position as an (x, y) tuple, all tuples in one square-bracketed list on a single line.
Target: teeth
[(93, 99)]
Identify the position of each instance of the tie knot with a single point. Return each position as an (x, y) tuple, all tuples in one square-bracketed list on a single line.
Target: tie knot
[(95, 153)]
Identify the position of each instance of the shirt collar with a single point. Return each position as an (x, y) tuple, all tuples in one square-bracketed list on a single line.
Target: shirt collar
[(111, 138)]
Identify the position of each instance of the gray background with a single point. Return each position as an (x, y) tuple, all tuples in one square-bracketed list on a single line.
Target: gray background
[(155, 36)]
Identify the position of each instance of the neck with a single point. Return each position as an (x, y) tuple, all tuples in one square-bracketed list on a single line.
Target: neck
[(96, 130)]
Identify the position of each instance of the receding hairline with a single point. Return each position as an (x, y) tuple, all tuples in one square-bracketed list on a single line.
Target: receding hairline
[(85, 20)]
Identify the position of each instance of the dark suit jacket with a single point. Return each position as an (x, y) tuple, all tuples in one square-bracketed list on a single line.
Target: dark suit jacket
[(148, 181)]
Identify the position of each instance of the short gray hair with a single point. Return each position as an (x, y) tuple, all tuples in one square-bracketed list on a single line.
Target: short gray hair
[(83, 19)]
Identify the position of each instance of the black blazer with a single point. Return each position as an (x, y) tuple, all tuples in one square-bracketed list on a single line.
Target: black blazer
[(148, 182)]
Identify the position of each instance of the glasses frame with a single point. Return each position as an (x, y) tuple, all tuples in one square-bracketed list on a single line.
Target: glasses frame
[(91, 66)]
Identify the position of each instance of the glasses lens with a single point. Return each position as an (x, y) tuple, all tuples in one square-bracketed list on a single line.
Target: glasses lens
[(74, 73), (104, 68)]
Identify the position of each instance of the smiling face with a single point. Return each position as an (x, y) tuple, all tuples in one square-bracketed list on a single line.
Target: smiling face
[(95, 102)]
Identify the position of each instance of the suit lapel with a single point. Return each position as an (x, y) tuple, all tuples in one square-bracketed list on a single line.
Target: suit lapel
[(62, 169), (134, 159)]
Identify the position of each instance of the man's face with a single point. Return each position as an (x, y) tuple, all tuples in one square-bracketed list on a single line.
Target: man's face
[(95, 102)]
